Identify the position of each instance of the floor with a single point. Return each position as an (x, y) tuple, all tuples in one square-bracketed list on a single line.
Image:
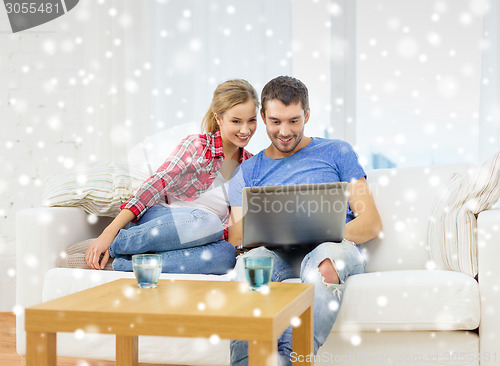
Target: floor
[(9, 356)]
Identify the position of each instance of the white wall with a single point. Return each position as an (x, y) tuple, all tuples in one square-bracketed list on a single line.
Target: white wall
[(44, 125), (40, 112)]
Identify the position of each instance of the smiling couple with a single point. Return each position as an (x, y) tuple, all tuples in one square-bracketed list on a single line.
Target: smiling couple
[(183, 211)]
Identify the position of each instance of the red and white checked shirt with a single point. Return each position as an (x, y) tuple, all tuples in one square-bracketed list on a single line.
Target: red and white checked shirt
[(188, 172)]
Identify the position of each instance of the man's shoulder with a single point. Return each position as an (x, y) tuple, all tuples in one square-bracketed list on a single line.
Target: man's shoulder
[(332, 144)]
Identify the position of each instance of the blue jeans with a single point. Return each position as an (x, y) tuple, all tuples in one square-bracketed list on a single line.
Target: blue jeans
[(188, 240), (347, 260)]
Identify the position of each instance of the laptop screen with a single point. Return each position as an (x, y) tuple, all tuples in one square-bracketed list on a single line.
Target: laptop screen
[(294, 215)]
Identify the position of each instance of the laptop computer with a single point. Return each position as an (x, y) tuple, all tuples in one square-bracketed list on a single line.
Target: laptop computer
[(294, 215)]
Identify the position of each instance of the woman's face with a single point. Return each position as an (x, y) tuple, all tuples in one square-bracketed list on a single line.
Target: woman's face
[(238, 124)]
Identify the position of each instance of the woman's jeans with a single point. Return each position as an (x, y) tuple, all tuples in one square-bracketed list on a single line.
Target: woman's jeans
[(347, 260), (188, 239)]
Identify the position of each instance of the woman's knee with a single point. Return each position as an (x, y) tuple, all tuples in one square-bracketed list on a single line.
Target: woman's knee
[(225, 256), (211, 223)]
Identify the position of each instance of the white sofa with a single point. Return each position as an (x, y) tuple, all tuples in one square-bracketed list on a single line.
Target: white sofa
[(401, 312)]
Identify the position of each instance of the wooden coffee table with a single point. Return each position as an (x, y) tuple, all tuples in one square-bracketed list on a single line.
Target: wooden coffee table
[(178, 308)]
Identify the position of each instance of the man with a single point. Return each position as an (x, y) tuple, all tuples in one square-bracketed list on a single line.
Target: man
[(293, 158)]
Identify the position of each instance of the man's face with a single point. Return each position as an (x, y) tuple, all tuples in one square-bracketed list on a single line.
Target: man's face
[(285, 127)]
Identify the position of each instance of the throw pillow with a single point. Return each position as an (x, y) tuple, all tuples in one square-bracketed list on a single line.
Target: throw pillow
[(452, 230), (99, 189)]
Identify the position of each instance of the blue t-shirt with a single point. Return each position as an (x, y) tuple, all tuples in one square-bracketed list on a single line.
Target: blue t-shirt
[(322, 161)]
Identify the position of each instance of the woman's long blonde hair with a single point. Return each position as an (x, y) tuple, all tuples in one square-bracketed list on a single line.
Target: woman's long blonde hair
[(226, 96)]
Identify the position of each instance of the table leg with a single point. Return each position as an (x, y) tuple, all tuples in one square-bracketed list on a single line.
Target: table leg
[(303, 338), (40, 349), (262, 353), (127, 353)]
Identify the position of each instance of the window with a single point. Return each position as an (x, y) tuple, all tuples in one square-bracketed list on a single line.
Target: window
[(418, 81)]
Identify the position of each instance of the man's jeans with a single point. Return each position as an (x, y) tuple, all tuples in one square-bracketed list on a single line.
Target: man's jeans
[(188, 240), (347, 260)]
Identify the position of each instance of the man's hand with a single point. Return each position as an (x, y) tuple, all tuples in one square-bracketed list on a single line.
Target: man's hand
[(367, 223)]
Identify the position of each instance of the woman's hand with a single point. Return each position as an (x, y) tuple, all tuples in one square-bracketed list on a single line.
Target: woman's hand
[(99, 247)]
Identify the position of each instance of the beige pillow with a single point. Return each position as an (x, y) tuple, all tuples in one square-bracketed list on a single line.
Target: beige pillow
[(99, 189), (452, 230)]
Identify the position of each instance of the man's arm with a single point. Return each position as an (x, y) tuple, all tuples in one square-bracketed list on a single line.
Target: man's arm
[(367, 223), (234, 229)]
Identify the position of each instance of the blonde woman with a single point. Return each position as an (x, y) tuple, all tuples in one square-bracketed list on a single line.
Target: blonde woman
[(181, 212)]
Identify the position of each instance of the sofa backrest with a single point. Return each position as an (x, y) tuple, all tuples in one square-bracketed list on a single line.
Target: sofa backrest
[(146, 157), (404, 199)]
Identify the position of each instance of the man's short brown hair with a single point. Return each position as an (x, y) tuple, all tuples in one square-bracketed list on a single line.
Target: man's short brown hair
[(287, 90)]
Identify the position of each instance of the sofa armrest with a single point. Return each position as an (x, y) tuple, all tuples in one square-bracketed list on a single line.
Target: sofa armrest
[(41, 235), (489, 281)]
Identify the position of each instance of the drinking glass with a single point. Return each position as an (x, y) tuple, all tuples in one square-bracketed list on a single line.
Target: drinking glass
[(147, 269), (258, 271)]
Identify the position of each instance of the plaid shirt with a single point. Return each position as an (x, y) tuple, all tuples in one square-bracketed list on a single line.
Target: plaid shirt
[(188, 172)]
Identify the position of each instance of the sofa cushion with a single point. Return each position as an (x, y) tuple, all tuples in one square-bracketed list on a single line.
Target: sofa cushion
[(402, 349), (409, 300), (393, 300), (404, 199)]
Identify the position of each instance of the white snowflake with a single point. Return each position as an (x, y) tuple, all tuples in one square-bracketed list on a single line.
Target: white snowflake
[(356, 340), (334, 305), (407, 47), (206, 255), (214, 339), (295, 322), (382, 301), (79, 334)]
